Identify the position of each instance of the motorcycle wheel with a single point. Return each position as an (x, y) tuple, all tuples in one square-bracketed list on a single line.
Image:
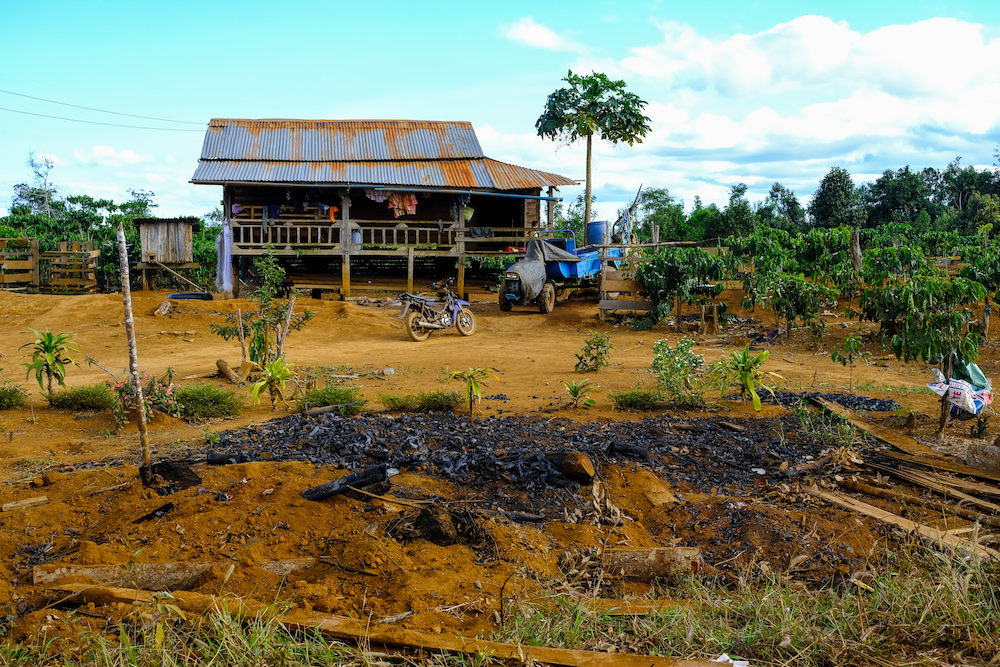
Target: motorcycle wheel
[(466, 322), (547, 299), (505, 304), (413, 328)]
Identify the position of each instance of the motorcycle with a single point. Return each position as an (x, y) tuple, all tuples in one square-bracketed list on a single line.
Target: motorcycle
[(422, 318)]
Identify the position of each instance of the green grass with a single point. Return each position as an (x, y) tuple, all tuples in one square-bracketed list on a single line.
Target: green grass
[(920, 606), (333, 395), (11, 397), (96, 397), (637, 399), (431, 401), (203, 401)]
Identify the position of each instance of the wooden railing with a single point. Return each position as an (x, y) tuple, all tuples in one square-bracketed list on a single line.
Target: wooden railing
[(296, 234)]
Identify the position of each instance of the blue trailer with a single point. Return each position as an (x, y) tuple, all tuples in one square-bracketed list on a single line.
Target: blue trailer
[(552, 260)]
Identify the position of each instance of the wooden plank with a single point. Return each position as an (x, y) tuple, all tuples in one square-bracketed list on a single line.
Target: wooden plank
[(356, 630), (886, 434), (614, 285), (910, 526), (949, 465), (920, 478), (622, 304), (18, 265), (898, 495), (24, 504)]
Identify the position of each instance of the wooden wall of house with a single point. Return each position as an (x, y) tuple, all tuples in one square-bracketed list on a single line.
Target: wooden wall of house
[(166, 241)]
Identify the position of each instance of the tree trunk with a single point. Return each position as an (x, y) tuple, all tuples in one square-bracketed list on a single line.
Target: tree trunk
[(586, 196), (947, 368)]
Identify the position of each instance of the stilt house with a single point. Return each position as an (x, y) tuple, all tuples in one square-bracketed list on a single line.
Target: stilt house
[(323, 194)]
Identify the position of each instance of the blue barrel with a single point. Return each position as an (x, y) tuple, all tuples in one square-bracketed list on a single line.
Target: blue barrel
[(595, 231)]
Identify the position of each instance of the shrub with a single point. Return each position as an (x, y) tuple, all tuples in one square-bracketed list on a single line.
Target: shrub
[(594, 354), (98, 397), (203, 401), (11, 397), (742, 369), (432, 401), (637, 399), (333, 395), (675, 370)]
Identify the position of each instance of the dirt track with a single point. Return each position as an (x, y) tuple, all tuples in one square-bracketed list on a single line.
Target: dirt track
[(373, 568)]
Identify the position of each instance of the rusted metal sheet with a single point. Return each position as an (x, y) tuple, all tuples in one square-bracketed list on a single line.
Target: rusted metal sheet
[(339, 140), (428, 154), (476, 174)]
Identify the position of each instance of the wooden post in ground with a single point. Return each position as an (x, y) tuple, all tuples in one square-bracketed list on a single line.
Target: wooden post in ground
[(133, 354), (460, 243), (409, 268), (346, 245)]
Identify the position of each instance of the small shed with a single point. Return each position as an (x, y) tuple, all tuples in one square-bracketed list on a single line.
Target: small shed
[(166, 243)]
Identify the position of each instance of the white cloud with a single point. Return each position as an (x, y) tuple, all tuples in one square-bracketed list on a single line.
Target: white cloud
[(926, 58), (108, 156), (526, 31)]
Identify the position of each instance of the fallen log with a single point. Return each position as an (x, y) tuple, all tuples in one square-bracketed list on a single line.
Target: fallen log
[(322, 410), (358, 480), (933, 482), (164, 576), (910, 526), (227, 372), (901, 496), (576, 466), (646, 564), (354, 630)]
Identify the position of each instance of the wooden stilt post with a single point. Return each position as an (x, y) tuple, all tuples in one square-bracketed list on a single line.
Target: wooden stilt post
[(409, 268), (346, 245), (460, 242)]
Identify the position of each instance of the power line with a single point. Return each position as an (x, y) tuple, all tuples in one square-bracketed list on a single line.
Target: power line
[(94, 122), (117, 113)]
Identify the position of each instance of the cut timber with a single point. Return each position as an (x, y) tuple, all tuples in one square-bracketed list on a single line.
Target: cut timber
[(23, 504), (950, 466), (932, 482), (159, 576), (227, 372), (909, 498), (361, 479), (646, 564), (886, 434), (576, 466), (910, 526), (354, 630)]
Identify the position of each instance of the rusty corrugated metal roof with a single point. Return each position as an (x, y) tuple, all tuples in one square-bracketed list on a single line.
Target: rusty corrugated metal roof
[(359, 152), (484, 174), (339, 140)]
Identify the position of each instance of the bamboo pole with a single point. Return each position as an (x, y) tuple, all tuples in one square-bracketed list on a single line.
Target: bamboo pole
[(133, 355)]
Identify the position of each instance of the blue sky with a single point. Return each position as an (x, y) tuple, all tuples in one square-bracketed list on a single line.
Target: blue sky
[(752, 92)]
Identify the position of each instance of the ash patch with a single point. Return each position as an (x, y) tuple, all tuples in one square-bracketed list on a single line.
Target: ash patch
[(852, 401), (692, 454)]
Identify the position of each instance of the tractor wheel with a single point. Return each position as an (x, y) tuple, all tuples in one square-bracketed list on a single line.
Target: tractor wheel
[(505, 304), (413, 328), (466, 322), (547, 299)]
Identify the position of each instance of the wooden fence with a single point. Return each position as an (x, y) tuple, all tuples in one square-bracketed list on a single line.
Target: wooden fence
[(72, 268), (18, 264)]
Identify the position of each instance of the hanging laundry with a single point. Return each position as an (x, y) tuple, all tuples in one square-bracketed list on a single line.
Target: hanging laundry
[(403, 203), (332, 210), (274, 211), (237, 209), (377, 195)]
